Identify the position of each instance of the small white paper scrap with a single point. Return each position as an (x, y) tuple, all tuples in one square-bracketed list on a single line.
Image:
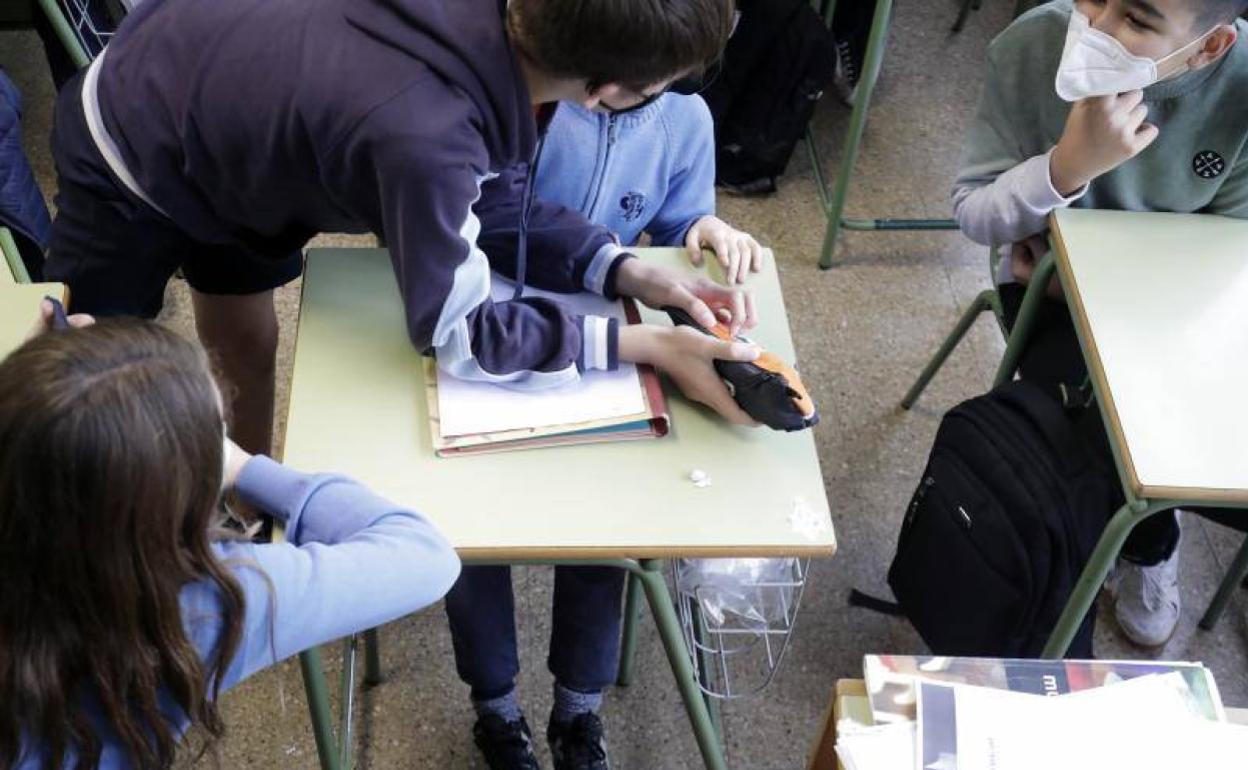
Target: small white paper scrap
[(805, 520)]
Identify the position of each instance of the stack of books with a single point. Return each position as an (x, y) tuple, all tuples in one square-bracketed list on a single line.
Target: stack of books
[(627, 404), (942, 713)]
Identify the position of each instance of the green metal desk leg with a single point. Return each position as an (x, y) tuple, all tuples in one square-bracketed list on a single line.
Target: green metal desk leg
[(1026, 318), (857, 123), (986, 300), (65, 33), (1095, 572), (13, 257), (628, 638), (318, 707), (1234, 576), (372, 659), (682, 668)]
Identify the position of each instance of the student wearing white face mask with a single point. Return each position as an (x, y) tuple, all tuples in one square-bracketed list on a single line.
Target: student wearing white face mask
[(1138, 105)]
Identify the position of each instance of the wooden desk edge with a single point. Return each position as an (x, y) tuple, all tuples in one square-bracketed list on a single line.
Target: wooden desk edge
[(577, 553), (1232, 497), (1084, 331)]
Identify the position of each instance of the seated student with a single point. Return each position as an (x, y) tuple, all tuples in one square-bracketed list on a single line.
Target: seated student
[(647, 168), (1111, 104), (127, 610)]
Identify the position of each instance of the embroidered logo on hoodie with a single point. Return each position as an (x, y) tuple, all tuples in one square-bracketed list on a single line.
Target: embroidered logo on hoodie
[(633, 204)]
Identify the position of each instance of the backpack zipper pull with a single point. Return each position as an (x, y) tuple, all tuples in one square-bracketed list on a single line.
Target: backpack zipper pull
[(966, 517)]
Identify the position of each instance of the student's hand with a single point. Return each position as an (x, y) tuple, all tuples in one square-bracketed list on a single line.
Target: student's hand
[(708, 302), (235, 458), (1025, 255), (687, 356), (1102, 133), (44, 322), (736, 251)]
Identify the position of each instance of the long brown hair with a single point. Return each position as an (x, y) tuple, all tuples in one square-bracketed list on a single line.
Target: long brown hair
[(110, 474)]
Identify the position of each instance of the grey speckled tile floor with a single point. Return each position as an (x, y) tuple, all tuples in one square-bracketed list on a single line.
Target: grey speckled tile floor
[(863, 330)]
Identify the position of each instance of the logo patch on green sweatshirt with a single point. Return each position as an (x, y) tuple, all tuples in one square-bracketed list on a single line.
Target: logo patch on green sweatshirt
[(1208, 164)]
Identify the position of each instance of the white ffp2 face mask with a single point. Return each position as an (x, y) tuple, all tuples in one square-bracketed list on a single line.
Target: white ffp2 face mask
[(1096, 64)]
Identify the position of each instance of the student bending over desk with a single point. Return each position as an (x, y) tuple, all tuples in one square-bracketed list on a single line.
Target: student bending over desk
[(1109, 104), (127, 609), (382, 116)]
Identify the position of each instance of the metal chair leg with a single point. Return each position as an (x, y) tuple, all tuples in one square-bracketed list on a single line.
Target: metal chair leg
[(1234, 576), (346, 701), (318, 707), (372, 659), (986, 300), (1027, 313), (963, 14), (628, 639), (857, 123)]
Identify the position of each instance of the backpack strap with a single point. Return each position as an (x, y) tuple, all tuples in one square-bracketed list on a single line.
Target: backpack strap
[(1050, 420), (883, 606)]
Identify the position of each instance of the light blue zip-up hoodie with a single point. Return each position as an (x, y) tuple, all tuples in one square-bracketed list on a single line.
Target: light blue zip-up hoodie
[(352, 560), (650, 170)]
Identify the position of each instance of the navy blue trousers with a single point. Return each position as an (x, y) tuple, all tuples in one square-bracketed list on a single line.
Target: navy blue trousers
[(584, 635)]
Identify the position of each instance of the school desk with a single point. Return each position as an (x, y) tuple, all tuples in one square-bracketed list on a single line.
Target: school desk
[(19, 308), (357, 406), (1160, 305)]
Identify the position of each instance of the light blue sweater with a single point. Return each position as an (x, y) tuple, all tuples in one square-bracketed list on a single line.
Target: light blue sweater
[(352, 561), (651, 170)]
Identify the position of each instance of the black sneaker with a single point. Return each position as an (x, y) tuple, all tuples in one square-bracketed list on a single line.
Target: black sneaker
[(849, 60), (505, 745), (579, 744), (851, 31)]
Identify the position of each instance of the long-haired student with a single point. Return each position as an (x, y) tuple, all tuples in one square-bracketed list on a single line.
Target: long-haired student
[(127, 609)]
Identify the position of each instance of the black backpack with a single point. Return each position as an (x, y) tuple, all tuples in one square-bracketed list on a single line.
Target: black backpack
[(774, 70), (1012, 503)]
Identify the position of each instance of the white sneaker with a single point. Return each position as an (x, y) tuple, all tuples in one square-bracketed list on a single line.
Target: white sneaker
[(1146, 600)]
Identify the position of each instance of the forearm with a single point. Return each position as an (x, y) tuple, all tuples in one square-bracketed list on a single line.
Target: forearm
[(642, 343), (1012, 206)]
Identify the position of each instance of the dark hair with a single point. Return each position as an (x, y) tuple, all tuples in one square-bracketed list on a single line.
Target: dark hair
[(636, 43), (1219, 11), (110, 473)]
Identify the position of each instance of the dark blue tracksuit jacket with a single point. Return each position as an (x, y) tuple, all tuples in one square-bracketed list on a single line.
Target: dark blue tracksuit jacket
[(263, 122)]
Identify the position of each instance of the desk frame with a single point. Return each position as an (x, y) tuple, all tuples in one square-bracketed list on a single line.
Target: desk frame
[(1141, 501), (643, 561), (644, 575)]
